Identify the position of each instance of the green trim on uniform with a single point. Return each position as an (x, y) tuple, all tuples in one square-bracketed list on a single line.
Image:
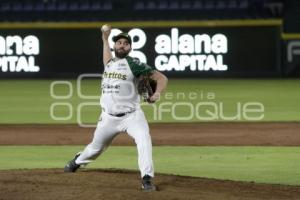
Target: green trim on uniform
[(137, 67)]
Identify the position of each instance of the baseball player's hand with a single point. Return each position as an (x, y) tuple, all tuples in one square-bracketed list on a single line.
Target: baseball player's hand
[(154, 97), (105, 29)]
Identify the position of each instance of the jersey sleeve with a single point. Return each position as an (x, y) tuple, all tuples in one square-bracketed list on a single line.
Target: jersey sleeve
[(137, 67)]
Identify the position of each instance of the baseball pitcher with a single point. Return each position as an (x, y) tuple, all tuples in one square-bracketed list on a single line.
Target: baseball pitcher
[(124, 78)]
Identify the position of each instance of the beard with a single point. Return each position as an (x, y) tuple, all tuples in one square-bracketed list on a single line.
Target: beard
[(121, 53)]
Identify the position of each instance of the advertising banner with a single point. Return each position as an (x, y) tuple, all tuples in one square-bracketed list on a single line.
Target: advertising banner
[(176, 51)]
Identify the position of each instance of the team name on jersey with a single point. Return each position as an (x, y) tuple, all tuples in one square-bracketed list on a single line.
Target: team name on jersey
[(115, 75)]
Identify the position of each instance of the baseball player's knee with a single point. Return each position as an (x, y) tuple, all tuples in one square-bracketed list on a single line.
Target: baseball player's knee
[(144, 144), (146, 136), (140, 138)]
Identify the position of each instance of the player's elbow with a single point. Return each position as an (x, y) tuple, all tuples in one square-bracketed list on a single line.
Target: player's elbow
[(163, 78), (158, 76)]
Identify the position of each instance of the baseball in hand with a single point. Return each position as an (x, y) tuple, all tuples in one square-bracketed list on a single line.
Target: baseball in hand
[(105, 28)]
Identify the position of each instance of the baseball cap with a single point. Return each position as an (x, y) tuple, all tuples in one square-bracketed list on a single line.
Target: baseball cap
[(122, 35)]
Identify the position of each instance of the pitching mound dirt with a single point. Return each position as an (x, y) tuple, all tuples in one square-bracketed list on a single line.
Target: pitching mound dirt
[(117, 184)]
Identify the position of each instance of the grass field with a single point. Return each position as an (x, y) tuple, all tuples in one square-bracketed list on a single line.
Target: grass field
[(277, 165), (29, 101)]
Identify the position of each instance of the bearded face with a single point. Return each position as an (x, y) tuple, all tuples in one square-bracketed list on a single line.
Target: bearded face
[(121, 52), (122, 48)]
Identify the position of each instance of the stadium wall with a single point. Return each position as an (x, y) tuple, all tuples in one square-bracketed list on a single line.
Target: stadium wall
[(183, 49)]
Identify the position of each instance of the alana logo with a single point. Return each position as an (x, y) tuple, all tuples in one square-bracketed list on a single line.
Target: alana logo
[(17, 53), (198, 52)]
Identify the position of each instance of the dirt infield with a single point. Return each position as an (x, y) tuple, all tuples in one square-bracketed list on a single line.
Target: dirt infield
[(116, 184), (237, 134)]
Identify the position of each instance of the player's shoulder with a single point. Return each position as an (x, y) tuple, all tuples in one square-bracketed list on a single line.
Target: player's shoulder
[(133, 59)]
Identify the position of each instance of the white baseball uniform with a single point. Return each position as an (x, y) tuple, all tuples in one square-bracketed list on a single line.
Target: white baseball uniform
[(121, 112)]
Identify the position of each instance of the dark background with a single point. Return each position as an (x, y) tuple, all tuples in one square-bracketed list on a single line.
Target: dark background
[(252, 51)]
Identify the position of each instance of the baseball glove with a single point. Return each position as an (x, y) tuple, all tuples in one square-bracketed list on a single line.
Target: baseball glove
[(146, 87)]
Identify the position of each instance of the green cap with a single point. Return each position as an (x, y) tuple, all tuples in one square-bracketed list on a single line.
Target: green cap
[(122, 35)]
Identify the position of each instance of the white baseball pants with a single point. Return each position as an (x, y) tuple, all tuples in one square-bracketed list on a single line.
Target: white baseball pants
[(136, 126)]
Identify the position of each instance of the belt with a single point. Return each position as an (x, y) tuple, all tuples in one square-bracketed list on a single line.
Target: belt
[(121, 114)]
